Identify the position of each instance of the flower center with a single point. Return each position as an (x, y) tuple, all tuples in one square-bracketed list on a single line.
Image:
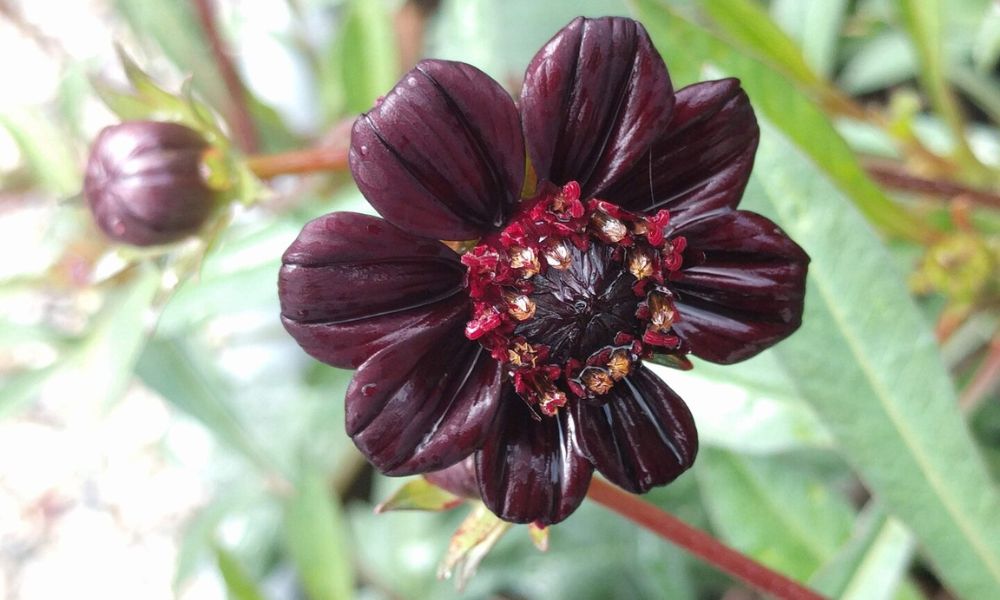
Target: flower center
[(570, 295)]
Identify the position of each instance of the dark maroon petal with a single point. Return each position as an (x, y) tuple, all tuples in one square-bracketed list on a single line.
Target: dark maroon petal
[(351, 284), (531, 470), (424, 403), (703, 161), (441, 155), (741, 287), (642, 437), (347, 345), (594, 98), (459, 479)]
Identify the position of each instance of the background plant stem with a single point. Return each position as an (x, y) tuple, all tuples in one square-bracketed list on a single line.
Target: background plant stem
[(698, 542)]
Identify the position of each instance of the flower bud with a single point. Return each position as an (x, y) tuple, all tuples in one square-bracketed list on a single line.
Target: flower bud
[(145, 182)]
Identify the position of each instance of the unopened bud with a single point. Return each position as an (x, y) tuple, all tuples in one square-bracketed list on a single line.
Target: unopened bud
[(145, 182)]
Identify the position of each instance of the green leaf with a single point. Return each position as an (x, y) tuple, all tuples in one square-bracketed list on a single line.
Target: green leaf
[(749, 25), (317, 541), (419, 494), (869, 365), (174, 27), (169, 367), (749, 408), (101, 368), (44, 150), (986, 50), (923, 20), (882, 61), (690, 48), (774, 510), (872, 564), (364, 60), (815, 26), (239, 584), (21, 388), (982, 89)]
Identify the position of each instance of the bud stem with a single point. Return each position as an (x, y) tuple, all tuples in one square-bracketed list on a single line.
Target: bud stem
[(310, 160), (698, 542)]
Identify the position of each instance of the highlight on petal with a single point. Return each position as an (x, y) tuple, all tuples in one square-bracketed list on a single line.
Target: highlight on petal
[(352, 284), (441, 155), (741, 288), (424, 403), (595, 97), (702, 161), (643, 436), (531, 470)]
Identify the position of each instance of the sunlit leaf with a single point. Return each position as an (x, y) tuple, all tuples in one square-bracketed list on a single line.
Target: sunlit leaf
[(882, 61), (690, 48), (776, 511), (44, 149), (748, 24), (868, 363), (168, 367), (364, 60), (239, 584), (419, 494), (749, 408), (317, 540), (872, 564), (816, 28)]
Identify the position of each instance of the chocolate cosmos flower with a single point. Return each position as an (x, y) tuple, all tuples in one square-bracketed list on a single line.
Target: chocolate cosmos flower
[(526, 349)]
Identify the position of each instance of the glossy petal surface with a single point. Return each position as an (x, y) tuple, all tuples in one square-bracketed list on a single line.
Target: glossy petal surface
[(425, 403), (144, 182), (531, 470), (702, 162), (643, 436), (459, 479), (741, 288), (441, 155), (352, 284), (594, 99)]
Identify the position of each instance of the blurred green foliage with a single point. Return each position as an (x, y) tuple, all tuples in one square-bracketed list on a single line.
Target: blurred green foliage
[(843, 457)]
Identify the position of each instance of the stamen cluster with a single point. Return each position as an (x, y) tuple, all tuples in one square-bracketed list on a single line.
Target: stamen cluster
[(542, 235)]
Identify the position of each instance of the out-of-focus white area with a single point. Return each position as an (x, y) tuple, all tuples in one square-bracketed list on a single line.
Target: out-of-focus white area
[(94, 498)]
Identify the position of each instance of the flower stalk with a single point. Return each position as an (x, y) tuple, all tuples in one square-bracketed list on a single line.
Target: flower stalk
[(697, 542), (309, 160)]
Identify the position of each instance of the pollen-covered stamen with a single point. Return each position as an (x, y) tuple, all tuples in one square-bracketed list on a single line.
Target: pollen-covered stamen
[(537, 386), (522, 354), (557, 255), (619, 364), (597, 380), (608, 228), (526, 260), (519, 306), (640, 263), (661, 313), (570, 295)]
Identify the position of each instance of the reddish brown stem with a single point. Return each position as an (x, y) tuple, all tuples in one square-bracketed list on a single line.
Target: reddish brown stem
[(238, 112), (984, 381), (896, 178), (310, 160), (698, 542)]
